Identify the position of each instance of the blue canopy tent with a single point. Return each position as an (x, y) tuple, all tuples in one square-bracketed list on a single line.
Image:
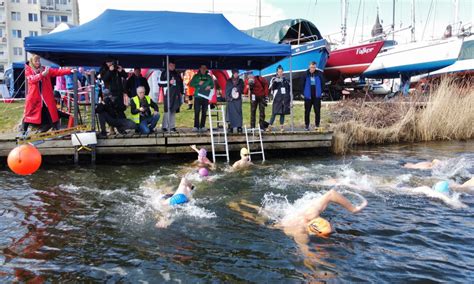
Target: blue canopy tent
[(152, 38), (145, 38)]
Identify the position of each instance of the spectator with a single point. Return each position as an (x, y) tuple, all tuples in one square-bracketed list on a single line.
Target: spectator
[(280, 88), (258, 94), (313, 89), (109, 112), (135, 81), (112, 74), (40, 105), (233, 95), (175, 93), (202, 83), (141, 106)]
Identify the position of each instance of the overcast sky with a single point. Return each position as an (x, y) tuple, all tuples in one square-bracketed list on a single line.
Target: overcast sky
[(432, 16)]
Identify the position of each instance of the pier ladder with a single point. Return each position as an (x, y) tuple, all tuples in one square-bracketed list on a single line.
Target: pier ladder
[(254, 135), (219, 133)]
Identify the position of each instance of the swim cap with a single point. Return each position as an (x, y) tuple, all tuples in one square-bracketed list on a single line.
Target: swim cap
[(244, 152), (442, 187), (202, 152), (319, 227)]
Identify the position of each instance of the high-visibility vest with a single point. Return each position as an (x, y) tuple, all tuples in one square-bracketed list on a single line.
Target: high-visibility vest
[(136, 101)]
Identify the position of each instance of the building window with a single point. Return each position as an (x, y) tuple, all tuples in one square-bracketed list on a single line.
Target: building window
[(16, 16), (50, 19), (16, 33), (33, 33), (32, 17), (17, 51), (32, 1), (64, 19), (15, 1), (50, 2), (2, 67), (1, 33)]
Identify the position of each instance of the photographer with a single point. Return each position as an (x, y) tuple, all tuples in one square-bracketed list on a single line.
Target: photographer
[(113, 75), (141, 106), (109, 112), (258, 94)]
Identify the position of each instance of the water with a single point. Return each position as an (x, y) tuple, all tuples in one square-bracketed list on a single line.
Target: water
[(81, 224)]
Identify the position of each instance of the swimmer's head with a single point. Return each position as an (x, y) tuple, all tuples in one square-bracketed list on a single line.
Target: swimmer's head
[(442, 187), (202, 153), (319, 227), (244, 153)]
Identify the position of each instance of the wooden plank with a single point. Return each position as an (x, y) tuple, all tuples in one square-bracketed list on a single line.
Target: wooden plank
[(131, 141), (132, 150)]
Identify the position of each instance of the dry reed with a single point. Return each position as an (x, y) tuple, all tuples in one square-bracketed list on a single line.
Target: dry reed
[(446, 113)]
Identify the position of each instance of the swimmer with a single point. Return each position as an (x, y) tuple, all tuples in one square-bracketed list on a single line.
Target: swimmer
[(202, 160), (467, 186), (244, 161), (422, 165), (181, 196), (308, 223)]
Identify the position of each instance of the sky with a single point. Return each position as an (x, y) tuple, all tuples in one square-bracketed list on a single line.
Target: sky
[(431, 16)]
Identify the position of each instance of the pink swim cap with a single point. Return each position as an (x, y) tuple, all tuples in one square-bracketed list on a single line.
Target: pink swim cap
[(202, 153)]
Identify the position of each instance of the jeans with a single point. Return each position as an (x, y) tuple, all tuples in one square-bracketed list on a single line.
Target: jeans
[(200, 106), (282, 119), (260, 103), (147, 124), (313, 103)]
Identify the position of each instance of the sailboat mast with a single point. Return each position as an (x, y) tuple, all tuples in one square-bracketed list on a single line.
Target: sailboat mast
[(344, 20), (413, 20), (393, 20), (456, 12)]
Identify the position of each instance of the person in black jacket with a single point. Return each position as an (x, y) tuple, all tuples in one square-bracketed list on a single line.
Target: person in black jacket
[(176, 92), (109, 112), (135, 81), (113, 75)]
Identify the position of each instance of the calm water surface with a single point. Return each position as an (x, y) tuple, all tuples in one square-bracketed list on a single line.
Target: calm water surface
[(67, 223)]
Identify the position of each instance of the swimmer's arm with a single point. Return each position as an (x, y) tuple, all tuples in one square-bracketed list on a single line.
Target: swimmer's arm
[(194, 148)]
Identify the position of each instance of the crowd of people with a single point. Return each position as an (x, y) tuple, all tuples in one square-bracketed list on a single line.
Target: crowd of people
[(118, 91)]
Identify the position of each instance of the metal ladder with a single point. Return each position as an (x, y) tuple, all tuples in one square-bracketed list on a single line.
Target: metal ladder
[(220, 133), (256, 137)]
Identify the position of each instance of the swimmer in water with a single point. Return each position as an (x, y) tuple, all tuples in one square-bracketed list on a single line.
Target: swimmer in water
[(244, 161), (308, 223), (422, 165), (202, 160), (181, 196)]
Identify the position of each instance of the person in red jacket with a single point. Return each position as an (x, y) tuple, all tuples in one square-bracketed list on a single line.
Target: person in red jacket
[(257, 88), (40, 105)]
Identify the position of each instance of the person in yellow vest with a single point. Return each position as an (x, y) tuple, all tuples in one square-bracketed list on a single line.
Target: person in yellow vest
[(141, 108)]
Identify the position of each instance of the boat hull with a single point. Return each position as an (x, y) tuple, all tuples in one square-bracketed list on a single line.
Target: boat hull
[(351, 61), (414, 59)]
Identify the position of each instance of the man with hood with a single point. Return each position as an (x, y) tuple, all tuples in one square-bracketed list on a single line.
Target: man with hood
[(136, 80), (233, 94)]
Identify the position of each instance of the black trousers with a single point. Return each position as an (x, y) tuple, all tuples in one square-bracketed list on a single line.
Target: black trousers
[(46, 121), (122, 124), (200, 108), (260, 103), (312, 103)]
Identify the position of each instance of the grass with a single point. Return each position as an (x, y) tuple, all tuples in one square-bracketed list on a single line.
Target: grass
[(11, 115)]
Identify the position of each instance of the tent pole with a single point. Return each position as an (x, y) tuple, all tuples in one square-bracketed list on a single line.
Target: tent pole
[(168, 90), (92, 99), (291, 95)]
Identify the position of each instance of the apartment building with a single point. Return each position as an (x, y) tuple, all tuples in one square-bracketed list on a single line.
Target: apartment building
[(23, 18)]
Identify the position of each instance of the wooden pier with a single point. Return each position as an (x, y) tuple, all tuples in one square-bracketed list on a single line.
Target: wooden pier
[(176, 143)]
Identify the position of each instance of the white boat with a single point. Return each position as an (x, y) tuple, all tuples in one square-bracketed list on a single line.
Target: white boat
[(413, 59)]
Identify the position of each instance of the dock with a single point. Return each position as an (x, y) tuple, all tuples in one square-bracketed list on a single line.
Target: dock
[(176, 143)]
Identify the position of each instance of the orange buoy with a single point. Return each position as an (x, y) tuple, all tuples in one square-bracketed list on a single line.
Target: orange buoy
[(24, 159)]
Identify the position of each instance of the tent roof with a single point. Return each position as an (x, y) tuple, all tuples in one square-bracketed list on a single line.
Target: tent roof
[(144, 38), (286, 30)]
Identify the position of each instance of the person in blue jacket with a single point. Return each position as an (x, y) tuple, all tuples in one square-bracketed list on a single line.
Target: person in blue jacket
[(313, 91)]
